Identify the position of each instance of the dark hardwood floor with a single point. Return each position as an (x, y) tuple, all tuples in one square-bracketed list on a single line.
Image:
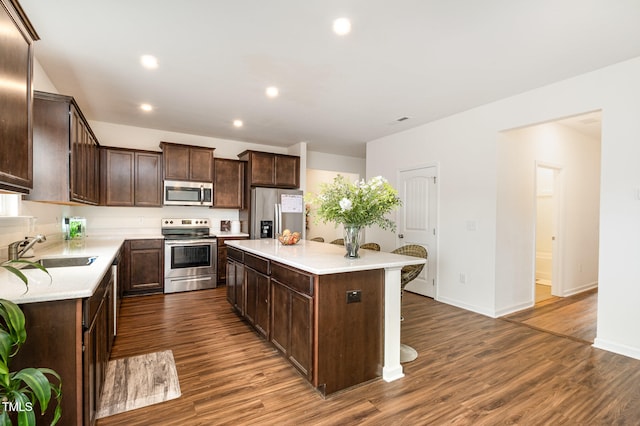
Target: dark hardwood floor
[(574, 317), (471, 370)]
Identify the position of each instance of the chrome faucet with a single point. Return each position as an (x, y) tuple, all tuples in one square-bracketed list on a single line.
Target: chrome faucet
[(18, 249)]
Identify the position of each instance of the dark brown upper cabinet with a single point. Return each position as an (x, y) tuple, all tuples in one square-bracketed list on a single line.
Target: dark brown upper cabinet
[(271, 170), (16, 66), (65, 151), (187, 163), (228, 183), (130, 178)]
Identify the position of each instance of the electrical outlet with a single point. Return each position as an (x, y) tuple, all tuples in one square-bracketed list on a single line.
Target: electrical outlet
[(354, 296), (463, 278)]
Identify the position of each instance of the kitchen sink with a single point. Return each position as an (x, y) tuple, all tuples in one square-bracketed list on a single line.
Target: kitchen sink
[(64, 262)]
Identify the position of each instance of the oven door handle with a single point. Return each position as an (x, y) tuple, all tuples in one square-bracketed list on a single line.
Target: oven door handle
[(191, 242)]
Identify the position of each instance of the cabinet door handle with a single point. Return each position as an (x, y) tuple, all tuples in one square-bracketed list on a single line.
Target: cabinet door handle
[(400, 235)]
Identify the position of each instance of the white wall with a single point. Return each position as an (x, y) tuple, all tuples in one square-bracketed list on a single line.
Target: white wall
[(336, 163), (466, 146)]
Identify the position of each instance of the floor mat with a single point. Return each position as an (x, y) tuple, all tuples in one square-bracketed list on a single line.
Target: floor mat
[(139, 381)]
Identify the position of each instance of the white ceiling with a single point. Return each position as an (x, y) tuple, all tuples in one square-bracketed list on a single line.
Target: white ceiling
[(424, 59)]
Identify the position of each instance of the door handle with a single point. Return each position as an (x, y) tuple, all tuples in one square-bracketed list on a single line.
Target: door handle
[(400, 235)]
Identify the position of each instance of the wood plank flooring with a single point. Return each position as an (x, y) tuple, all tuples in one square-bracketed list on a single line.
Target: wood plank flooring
[(471, 370), (574, 317)]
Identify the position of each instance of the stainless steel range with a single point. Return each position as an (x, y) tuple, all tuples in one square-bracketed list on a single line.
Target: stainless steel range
[(189, 255)]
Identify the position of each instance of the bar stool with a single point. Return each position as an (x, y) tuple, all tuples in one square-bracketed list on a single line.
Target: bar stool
[(408, 274), (370, 246)]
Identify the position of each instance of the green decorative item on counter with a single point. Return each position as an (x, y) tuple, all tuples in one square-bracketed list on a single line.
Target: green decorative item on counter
[(74, 230), (22, 391)]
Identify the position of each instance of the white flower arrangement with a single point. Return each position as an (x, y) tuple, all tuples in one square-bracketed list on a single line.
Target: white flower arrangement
[(359, 203)]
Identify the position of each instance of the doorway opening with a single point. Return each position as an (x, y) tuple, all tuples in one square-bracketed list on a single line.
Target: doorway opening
[(557, 200), (548, 215)]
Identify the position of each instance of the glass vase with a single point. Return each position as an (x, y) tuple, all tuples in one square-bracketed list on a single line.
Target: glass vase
[(352, 235)]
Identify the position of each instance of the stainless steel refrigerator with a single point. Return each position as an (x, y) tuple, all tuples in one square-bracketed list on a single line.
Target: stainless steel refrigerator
[(274, 210)]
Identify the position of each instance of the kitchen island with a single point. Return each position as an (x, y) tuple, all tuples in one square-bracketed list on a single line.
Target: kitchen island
[(337, 320)]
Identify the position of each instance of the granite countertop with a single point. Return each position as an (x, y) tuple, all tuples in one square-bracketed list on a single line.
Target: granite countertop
[(322, 258), (65, 282)]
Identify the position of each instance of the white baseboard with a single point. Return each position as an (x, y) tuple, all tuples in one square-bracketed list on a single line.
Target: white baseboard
[(516, 308), (616, 348), (467, 307), (580, 289)]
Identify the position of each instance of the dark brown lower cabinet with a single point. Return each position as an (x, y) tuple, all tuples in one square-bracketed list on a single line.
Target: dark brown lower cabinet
[(292, 324), (222, 258), (72, 337), (145, 266), (235, 279), (257, 302), (329, 327), (97, 342)]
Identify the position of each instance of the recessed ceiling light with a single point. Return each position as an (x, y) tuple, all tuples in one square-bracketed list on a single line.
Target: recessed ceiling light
[(272, 91), (146, 107), (149, 62), (342, 26), (237, 123)]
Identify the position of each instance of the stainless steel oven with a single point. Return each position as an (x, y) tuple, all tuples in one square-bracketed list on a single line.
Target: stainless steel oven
[(190, 255)]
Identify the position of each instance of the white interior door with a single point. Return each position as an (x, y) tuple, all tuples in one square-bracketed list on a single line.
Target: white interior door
[(417, 222), (548, 182)]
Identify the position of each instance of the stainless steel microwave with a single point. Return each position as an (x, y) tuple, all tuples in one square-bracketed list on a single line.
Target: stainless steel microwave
[(181, 193)]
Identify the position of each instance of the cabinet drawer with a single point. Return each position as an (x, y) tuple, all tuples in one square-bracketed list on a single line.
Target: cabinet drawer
[(257, 263), (235, 254), (146, 244), (296, 280)]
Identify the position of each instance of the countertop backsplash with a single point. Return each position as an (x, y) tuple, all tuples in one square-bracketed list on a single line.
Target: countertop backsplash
[(129, 222)]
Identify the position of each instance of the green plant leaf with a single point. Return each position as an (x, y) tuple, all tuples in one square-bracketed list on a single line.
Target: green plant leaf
[(4, 418), (25, 416), (6, 343), (17, 273), (38, 383), (28, 262), (14, 321)]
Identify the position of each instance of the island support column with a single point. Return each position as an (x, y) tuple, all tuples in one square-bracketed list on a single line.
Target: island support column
[(392, 369)]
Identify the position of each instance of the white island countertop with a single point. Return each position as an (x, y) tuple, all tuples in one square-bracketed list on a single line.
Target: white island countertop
[(323, 258), (65, 282)]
